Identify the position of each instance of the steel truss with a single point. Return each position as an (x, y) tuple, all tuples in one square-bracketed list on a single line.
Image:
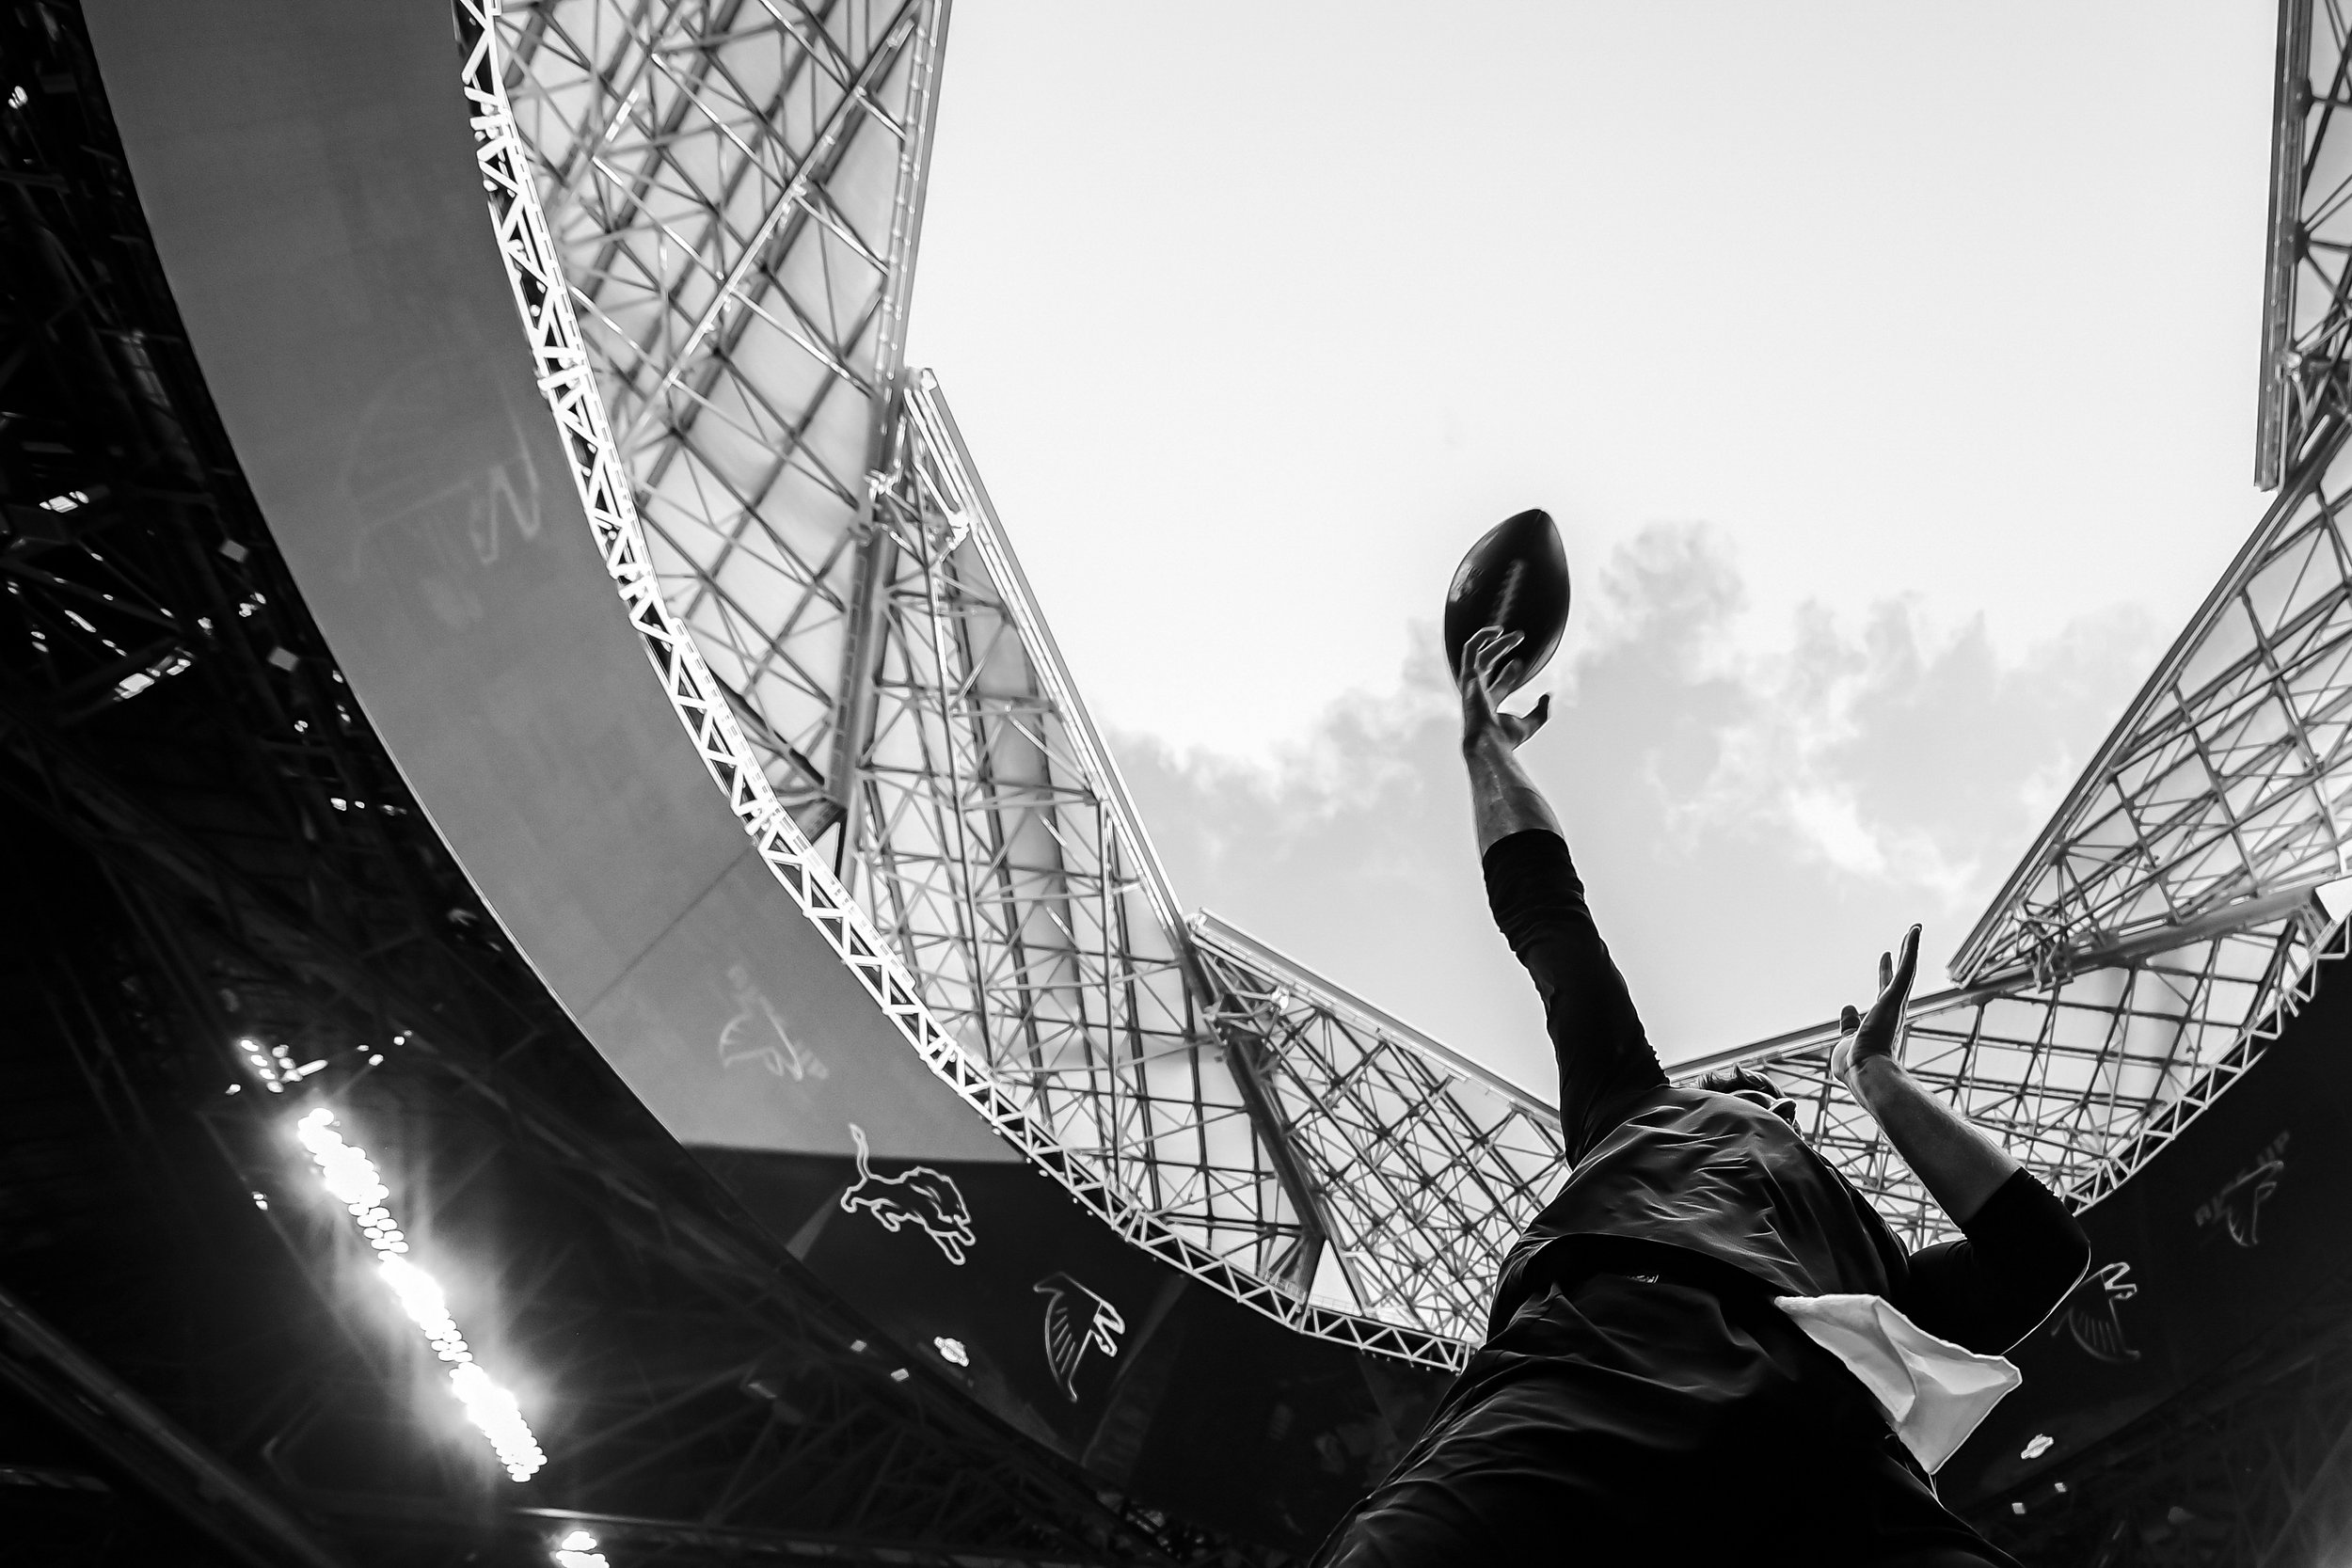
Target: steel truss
[(2082, 1077), (734, 190), (856, 646), (230, 851), (1323, 1148), (1015, 925), (2168, 920), (2226, 779), (2307, 274)]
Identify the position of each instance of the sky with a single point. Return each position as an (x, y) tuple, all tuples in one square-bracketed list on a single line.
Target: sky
[(1890, 369)]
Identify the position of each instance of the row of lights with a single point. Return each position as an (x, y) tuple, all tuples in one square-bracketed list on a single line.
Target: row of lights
[(352, 1176), (275, 1067)]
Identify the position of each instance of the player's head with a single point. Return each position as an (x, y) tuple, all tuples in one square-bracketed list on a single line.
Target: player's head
[(1752, 1085)]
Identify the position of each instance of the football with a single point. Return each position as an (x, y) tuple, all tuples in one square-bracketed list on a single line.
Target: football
[(1516, 577)]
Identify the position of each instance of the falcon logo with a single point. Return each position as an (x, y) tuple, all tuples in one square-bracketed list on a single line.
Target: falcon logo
[(2089, 1315), (757, 1033), (917, 1195), (2238, 1207), (1076, 1320)]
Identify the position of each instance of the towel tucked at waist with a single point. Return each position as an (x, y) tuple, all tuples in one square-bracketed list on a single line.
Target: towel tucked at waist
[(1932, 1392)]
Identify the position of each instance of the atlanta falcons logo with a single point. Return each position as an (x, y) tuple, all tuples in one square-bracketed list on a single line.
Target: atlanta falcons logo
[(757, 1033), (2239, 1205), (2237, 1208), (1076, 1320), (917, 1195), (2089, 1314)]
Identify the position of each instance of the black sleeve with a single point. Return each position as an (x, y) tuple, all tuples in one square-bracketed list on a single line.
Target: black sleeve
[(1605, 1059), (2021, 1253)]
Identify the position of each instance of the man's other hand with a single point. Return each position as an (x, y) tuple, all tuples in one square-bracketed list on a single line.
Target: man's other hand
[(1489, 671), (1864, 1036)]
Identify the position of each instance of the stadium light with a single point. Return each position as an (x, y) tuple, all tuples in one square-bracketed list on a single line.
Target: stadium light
[(346, 1171), (578, 1550), (276, 1066)]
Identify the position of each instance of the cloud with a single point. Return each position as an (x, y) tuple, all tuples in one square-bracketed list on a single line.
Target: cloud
[(1755, 814)]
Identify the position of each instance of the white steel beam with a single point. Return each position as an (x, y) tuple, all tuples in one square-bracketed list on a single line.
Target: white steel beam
[(732, 195), (2307, 284), (2227, 780)]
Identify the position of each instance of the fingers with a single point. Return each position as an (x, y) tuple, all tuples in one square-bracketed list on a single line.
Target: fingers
[(1489, 648), (1849, 1019), (1490, 672), (1518, 727), (1475, 679), (1474, 652), (1895, 979), (1486, 636)]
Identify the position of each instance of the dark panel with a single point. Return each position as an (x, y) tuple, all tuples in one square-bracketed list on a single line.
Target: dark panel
[(1198, 1403), (2215, 1241)]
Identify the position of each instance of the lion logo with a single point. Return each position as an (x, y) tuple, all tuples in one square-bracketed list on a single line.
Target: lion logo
[(1076, 1321), (919, 1195)]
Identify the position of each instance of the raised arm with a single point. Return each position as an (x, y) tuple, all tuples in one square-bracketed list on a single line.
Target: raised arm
[(1538, 902), (1959, 1165), (2023, 1251)]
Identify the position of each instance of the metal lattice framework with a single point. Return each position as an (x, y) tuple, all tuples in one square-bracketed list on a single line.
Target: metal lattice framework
[(717, 292), (734, 192), (2307, 278), (1141, 1136), (1424, 1166), (1321, 1146), (2082, 1076), (227, 851), (1006, 865), (2168, 919), (2227, 780)]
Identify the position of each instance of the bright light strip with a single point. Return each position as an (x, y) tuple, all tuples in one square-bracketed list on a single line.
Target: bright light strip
[(263, 1068), (276, 1066), (350, 1176), (578, 1550)]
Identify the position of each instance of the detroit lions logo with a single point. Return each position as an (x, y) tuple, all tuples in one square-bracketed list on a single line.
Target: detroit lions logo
[(2089, 1314), (917, 1195), (1076, 1321)]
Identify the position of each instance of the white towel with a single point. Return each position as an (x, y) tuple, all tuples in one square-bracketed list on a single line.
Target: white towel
[(1931, 1391)]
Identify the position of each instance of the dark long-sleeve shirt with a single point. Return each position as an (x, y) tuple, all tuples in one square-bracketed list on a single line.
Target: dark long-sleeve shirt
[(1724, 1177)]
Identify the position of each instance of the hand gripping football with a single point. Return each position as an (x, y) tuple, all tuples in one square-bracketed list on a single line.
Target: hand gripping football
[(1516, 577)]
